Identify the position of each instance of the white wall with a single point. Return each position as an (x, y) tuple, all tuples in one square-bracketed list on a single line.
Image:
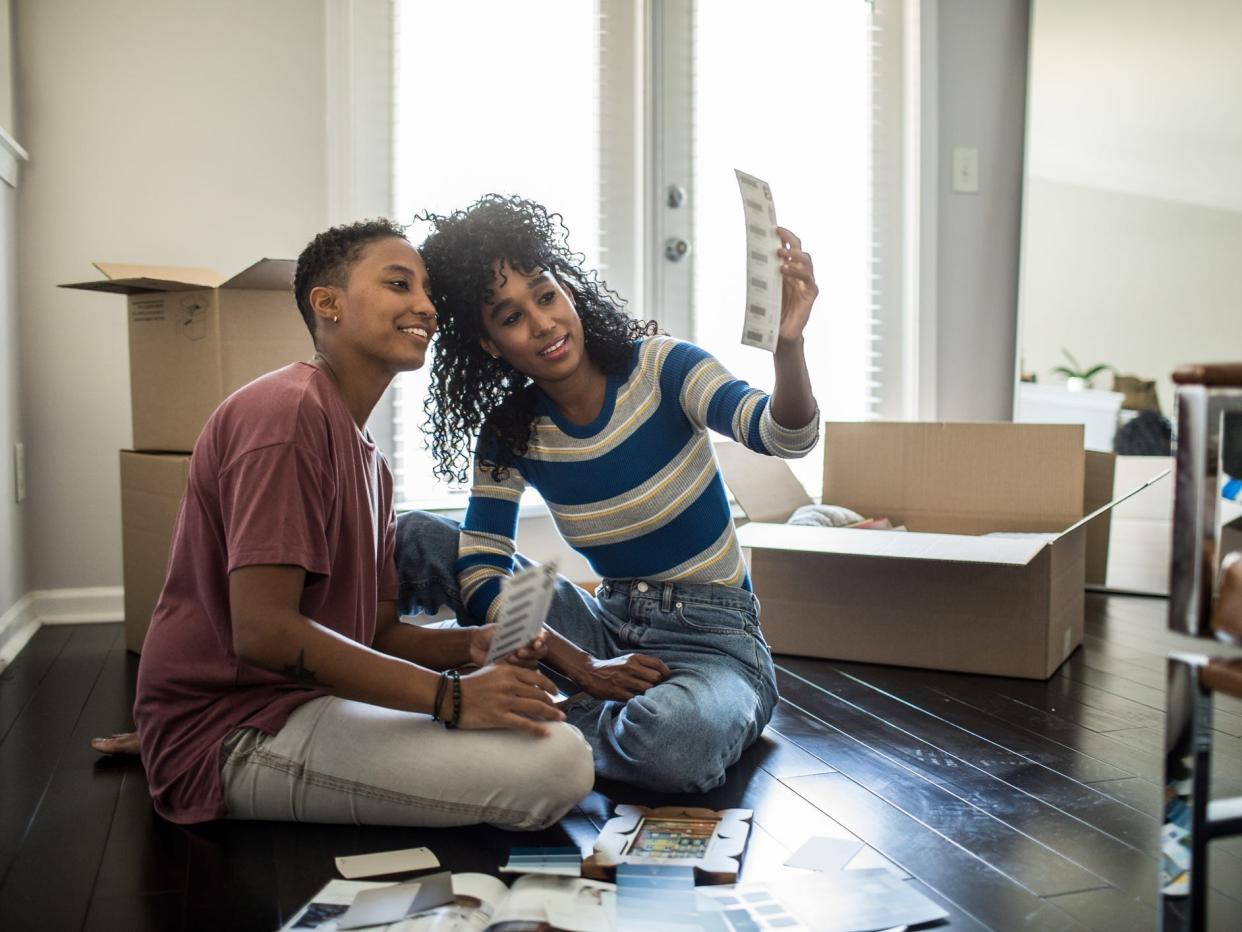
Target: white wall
[(1134, 194), (1137, 282), (6, 67), (160, 131), (981, 64), (12, 516), (12, 556)]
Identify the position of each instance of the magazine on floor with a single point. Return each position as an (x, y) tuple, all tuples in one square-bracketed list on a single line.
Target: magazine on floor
[(535, 903)]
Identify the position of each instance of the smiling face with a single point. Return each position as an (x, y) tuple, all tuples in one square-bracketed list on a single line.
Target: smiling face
[(531, 323), (383, 314)]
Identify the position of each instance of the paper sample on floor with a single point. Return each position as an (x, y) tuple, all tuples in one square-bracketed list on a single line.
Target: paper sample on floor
[(386, 862), (825, 854)]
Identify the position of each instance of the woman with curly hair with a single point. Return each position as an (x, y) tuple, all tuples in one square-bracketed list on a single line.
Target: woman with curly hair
[(608, 420)]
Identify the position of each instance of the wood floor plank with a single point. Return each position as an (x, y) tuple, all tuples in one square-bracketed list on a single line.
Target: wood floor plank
[(31, 746), (20, 680), (955, 873), (1019, 857), (68, 830), (152, 912), (1107, 910), (1112, 842), (144, 855), (978, 750)]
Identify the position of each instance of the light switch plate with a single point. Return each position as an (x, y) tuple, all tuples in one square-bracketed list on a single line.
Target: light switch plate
[(966, 170)]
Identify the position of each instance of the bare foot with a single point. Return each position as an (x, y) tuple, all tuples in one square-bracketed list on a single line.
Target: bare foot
[(126, 743)]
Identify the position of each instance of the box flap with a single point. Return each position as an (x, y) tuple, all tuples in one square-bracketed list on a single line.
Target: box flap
[(120, 278), (265, 275), (1016, 476), (764, 486), (1114, 503), (900, 545)]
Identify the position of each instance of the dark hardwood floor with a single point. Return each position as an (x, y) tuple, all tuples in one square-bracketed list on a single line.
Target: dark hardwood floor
[(1014, 804)]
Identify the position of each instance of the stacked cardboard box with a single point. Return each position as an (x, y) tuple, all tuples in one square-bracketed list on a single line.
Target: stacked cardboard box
[(945, 594), (194, 338)]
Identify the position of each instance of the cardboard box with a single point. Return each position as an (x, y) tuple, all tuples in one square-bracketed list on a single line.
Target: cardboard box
[(152, 486), (195, 338), (940, 595)]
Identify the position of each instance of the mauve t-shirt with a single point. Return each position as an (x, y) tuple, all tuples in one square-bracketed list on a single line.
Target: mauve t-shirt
[(281, 474)]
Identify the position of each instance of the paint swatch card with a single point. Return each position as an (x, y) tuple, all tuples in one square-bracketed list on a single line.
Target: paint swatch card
[(656, 898), (561, 861), (524, 600), (763, 272)]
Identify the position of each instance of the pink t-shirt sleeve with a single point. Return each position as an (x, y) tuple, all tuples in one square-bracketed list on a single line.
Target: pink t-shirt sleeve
[(274, 502)]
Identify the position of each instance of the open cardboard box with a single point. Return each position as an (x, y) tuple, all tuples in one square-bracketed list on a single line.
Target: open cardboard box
[(940, 595), (194, 338)]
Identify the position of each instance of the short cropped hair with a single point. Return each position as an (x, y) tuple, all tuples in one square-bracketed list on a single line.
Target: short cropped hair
[(328, 257)]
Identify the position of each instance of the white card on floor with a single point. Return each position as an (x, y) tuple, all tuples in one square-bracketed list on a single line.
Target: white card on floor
[(380, 907), (386, 862), (524, 600), (763, 271), (393, 903), (825, 854)]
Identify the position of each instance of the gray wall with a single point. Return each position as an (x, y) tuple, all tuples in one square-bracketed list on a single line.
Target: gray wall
[(982, 57), (160, 131)]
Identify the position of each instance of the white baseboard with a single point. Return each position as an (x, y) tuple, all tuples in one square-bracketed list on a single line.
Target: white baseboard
[(56, 607)]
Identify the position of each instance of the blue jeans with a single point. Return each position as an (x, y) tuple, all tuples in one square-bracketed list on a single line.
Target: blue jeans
[(678, 736)]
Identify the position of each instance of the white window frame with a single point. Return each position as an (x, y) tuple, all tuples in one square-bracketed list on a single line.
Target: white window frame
[(641, 159)]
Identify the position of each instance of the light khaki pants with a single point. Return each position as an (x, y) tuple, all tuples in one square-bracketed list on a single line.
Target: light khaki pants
[(342, 761)]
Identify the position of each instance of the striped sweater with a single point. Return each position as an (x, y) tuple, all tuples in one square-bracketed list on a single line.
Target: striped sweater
[(637, 491)]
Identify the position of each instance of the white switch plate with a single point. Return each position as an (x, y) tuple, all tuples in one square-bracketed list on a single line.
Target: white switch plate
[(965, 170), (19, 471)]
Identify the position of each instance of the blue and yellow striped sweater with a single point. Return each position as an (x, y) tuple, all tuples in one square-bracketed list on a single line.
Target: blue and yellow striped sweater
[(637, 491)]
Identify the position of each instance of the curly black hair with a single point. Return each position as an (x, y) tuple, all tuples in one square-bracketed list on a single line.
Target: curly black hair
[(472, 393), (327, 259)]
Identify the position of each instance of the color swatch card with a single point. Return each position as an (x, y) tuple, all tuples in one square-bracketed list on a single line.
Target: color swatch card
[(657, 898), (524, 600), (763, 271), (560, 862)]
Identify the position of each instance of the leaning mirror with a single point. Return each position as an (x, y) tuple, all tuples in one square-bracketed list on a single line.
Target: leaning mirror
[(1132, 234)]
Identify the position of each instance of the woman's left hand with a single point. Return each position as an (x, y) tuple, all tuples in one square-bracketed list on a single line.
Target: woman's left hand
[(528, 656), (798, 288)]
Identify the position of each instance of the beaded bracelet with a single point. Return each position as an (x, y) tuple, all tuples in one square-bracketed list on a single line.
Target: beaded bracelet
[(440, 690), (453, 722)]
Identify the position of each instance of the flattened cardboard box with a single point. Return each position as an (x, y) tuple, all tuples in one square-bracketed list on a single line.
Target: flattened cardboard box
[(195, 338), (152, 486), (939, 595)]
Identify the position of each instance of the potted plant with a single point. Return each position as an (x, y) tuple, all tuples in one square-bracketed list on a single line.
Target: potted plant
[(1077, 377)]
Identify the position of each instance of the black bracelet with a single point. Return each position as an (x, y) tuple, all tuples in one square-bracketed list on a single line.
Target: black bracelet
[(453, 722), (440, 689)]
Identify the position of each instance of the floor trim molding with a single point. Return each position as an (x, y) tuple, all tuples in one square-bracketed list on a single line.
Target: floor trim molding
[(88, 605)]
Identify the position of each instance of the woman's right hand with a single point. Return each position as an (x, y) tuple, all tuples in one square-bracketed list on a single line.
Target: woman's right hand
[(506, 695), (622, 678)]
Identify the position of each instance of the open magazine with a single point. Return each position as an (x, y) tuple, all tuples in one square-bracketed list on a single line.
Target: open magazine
[(535, 903)]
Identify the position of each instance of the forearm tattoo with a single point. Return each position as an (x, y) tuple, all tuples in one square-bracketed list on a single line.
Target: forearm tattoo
[(299, 674)]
